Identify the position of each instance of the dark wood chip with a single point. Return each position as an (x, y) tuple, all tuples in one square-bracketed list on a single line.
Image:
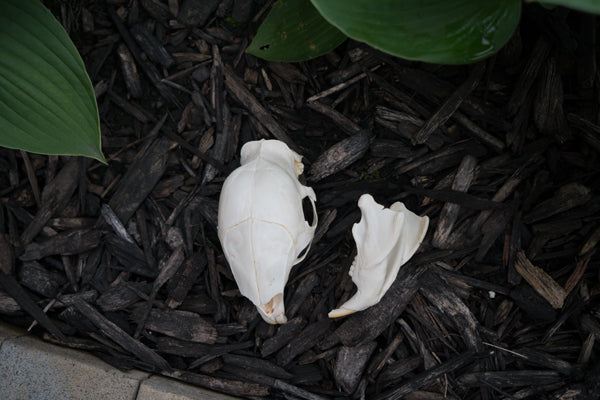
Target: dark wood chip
[(16, 291), (182, 325), (398, 369), (543, 359), (448, 303), (345, 123), (532, 303), (307, 339), (549, 116), (131, 257), (121, 296), (131, 108), (450, 105), (151, 46), (67, 243), (301, 294), (7, 255), (540, 281), (285, 333), (236, 88), (567, 197), (587, 130), (139, 180), (111, 330), (223, 134), (350, 364), (527, 78), (501, 379), (196, 12), (390, 148), (197, 350), (148, 68), (224, 385), (54, 198), (459, 198), (340, 155), (157, 9), (365, 326), (37, 278), (257, 364), (423, 378), (461, 183), (130, 72), (8, 305), (184, 278), (167, 267)]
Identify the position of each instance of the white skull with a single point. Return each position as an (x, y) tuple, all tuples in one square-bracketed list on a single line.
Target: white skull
[(261, 225), (386, 238)]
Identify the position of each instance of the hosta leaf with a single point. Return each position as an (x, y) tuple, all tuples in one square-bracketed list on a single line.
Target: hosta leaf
[(591, 6), (437, 31), (47, 102), (294, 31)]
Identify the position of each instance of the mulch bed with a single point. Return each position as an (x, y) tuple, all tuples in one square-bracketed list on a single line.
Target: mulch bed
[(500, 302)]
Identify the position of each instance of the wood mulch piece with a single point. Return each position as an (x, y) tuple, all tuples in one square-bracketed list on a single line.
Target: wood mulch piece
[(500, 302)]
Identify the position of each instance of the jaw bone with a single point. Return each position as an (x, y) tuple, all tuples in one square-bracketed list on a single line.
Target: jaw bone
[(386, 238), (261, 225)]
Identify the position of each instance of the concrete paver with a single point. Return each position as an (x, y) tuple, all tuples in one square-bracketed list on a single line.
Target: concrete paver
[(33, 370), (158, 388)]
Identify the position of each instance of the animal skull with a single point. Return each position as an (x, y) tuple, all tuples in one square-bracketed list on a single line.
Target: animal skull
[(261, 223), (386, 238)]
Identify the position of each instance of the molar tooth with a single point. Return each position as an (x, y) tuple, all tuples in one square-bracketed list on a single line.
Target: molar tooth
[(261, 225), (386, 238)]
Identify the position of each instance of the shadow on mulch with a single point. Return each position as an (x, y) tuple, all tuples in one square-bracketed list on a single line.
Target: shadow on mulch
[(500, 302)]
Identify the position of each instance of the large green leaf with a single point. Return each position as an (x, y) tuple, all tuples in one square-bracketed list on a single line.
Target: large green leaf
[(294, 31), (591, 6), (437, 31), (47, 102)]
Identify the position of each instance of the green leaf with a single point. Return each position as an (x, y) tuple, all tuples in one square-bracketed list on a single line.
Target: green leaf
[(294, 31), (47, 102), (591, 6), (436, 31)]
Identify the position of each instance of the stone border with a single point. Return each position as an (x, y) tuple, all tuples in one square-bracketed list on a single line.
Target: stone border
[(36, 370)]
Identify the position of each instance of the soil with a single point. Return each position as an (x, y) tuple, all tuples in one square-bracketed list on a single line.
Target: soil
[(503, 156)]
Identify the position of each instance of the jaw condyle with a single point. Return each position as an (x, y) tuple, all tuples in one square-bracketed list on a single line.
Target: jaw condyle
[(386, 238), (261, 225)]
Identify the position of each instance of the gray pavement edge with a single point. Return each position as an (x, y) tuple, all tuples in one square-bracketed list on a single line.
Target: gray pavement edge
[(31, 369)]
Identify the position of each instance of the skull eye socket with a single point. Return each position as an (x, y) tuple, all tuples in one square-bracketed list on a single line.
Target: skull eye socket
[(308, 211)]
